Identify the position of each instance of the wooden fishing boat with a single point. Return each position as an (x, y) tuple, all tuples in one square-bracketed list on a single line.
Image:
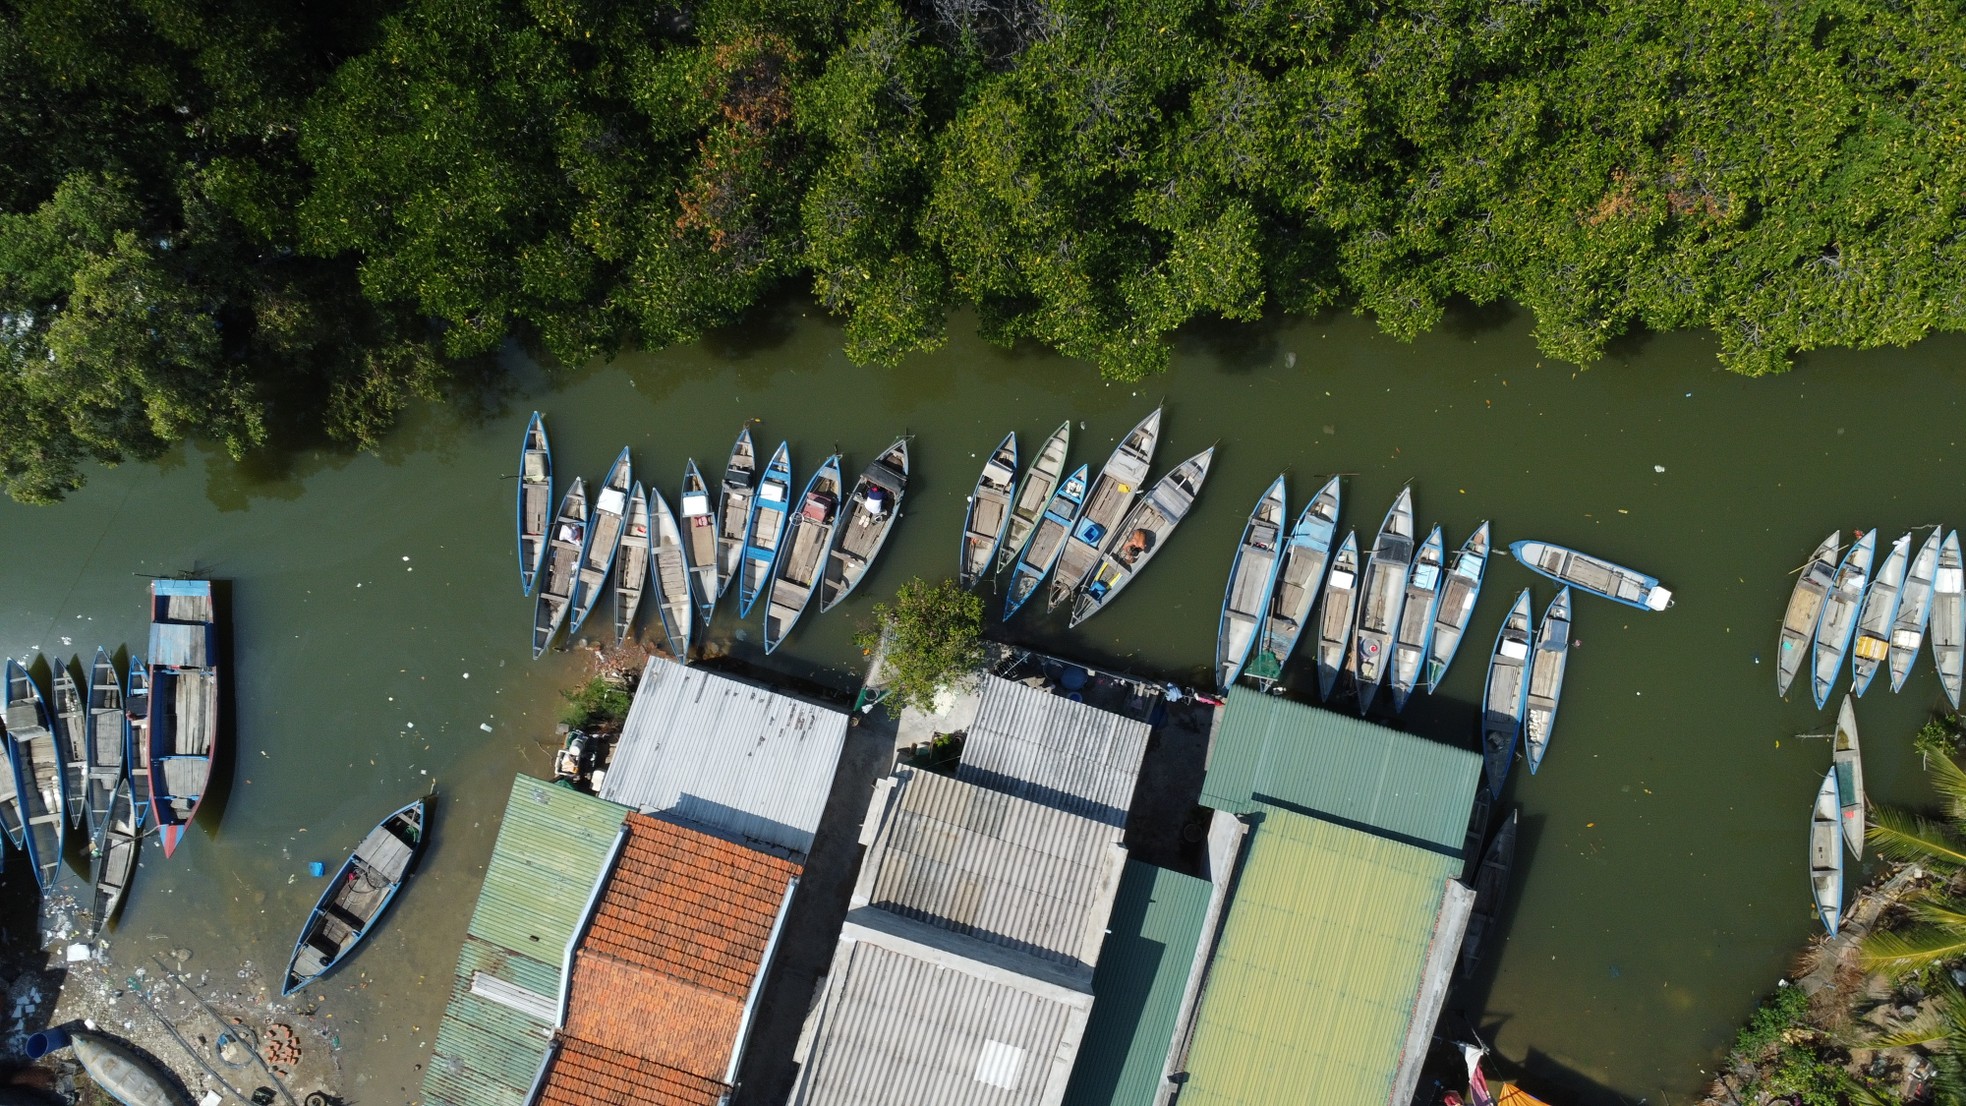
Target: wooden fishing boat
[(668, 574), (798, 571), (118, 1069), (766, 529), (989, 513), (1334, 635), (1805, 609), (1300, 573), (1252, 577), (535, 499), (184, 703), (1480, 814), (1846, 757), (1416, 618), (1947, 627), (1382, 596), (1839, 618), (871, 512), (12, 813), (735, 496), (38, 779), (1914, 608), (564, 544), (1034, 493), (1546, 666), (634, 558), (1871, 648), (116, 855), (1144, 533), (1054, 528), (1457, 605), (136, 747), (1592, 575), (71, 716), (1826, 854), (1502, 700), (107, 737), (609, 516), (356, 896), (698, 526), (1112, 492), (1491, 888)]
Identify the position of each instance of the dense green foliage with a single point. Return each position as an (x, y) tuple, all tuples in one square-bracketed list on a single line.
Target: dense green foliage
[(233, 219), (930, 639), (598, 702)]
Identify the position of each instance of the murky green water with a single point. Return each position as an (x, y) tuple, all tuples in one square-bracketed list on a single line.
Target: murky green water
[(1661, 886)]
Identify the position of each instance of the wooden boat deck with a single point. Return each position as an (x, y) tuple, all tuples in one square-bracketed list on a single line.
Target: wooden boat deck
[(1805, 607), (1040, 480), (1118, 484), (871, 513), (1143, 534), (675, 603), (1335, 617), (631, 567), (734, 495), (804, 559), (1947, 626), (607, 525), (185, 608), (1455, 610), (118, 857)]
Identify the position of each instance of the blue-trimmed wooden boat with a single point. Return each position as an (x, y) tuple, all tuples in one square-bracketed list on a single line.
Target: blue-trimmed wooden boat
[(697, 522), (872, 509), (1335, 616), (1381, 598), (1947, 626), (356, 896), (1252, 580), (116, 855), (1424, 583), (633, 562), (1546, 665), (565, 542), (1805, 610), (668, 575), (1034, 493), (1142, 534), (766, 529), (988, 512), (1870, 649), (1300, 573), (136, 746), (1502, 699), (71, 717), (108, 737), (1592, 575), (607, 519), (1846, 758), (1914, 608), (12, 812), (796, 576), (37, 773), (1838, 622), (735, 496), (535, 499), (1457, 605), (1826, 855), (1118, 484), (184, 703), (1035, 560)]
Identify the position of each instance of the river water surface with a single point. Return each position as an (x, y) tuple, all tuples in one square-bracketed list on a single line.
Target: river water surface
[(380, 641)]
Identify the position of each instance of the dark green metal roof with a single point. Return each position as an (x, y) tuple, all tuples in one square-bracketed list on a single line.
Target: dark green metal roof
[(1143, 970)]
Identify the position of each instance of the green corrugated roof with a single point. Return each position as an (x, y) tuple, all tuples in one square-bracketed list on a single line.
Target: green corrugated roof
[(1311, 992), (1270, 750), (1143, 970)]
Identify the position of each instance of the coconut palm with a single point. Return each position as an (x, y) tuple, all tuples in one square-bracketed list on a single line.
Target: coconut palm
[(1938, 930)]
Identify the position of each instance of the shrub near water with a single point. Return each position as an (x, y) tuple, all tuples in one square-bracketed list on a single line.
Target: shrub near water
[(933, 638), (598, 701)]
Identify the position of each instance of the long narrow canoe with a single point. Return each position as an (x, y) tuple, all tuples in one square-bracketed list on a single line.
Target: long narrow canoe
[(1914, 608), (804, 561), (1839, 617), (765, 529), (118, 1069), (1826, 855), (535, 499), (1491, 888), (669, 576), (632, 579), (38, 774), (184, 703), (1948, 623), (107, 724), (1334, 633), (1457, 605), (1047, 541), (1546, 666), (11, 817), (610, 515), (1034, 493), (735, 495), (1113, 491), (871, 512), (1416, 618), (1252, 579), (71, 714), (1593, 575), (136, 748), (1502, 700), (1871, 648), (116, 855), (565, 542), (1299, 576), (1144, 533), (1846, 757), (356, 896), (988, 513), (1805, 609), (698, 522), (1381, 598)]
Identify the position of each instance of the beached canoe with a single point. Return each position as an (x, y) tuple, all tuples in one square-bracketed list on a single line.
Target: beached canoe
[(565, 541), (804, 561), (1505, 693), (12, 817), (535, 499), (1947, 626), (988, 513), (184, 703), (118, 1069), (766, 529), (697, 520), (1416, 618), (668, 577), (71, 718), (1491, 888), (1034, 493), (1871, 648), (1914, 608), (1458, 595), (116, 855), (1547, 663), (1592, 575), (1805, 609), (631, 579), (1252, 578), (1334, 624), (136, 745), (872, 509), (1826, 854), (608, 518), (107, 738), (1839, 618), (1300, 573), (356, 896), (1048, 539), (1112, 493), (1142, 534), (734, 498), (1846, 757), (38, 774), (1382, 596)]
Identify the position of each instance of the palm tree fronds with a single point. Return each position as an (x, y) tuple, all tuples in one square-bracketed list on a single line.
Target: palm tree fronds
[(1944, 913), (1900, 835), (1949, 780), (1903, 951)]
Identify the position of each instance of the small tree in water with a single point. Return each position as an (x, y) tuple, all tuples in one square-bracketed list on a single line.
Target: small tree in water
[(931, 637)]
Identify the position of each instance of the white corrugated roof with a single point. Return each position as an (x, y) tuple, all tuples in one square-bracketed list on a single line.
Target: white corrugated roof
[(727, 755), (1044, 747)]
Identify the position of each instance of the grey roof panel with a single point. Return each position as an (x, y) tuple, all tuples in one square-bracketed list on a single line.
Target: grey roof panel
[(1044, 747)]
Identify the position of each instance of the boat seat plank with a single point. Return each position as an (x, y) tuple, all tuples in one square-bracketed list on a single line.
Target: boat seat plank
[(385, 853), (184, 777)]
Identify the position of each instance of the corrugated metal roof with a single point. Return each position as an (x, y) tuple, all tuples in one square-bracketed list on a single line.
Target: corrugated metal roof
[(1313, 986), (1270, 750), (1150, 949), (724, 754), (1029, 742)]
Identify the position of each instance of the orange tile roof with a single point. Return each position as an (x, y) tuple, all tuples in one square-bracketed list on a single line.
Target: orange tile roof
[(586, 1074)]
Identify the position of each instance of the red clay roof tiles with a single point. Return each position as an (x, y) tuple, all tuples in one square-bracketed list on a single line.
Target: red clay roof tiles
[(585, 1074)]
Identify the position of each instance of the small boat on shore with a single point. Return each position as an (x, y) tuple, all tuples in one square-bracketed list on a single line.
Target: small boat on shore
[(1914, 608), (1416, 618), (1491, 888), (1118, 484), (1805, 609), (13, 816), (356, 896), (565, 541), (38, 773), (1300, 573), (1252, 578), (108, 735), (1382, 596), (1458, 594), (1947, 626), (668, 575), (184, 703), (698, 524), (766, 529), (872, 509), (1143, 534), (1826, 854), (735, 495), (1034, 493), (989, 513), (1839, 618), (1592, 575), (136, 746), (1871, 649), (632, 579), (1507, 690), (1048, 539), (1846, 759), (804, 560), (535, 499), (1546, 666), (1334, 633), (116, 855), (71, 716), (604, 527), (118, 1069)]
